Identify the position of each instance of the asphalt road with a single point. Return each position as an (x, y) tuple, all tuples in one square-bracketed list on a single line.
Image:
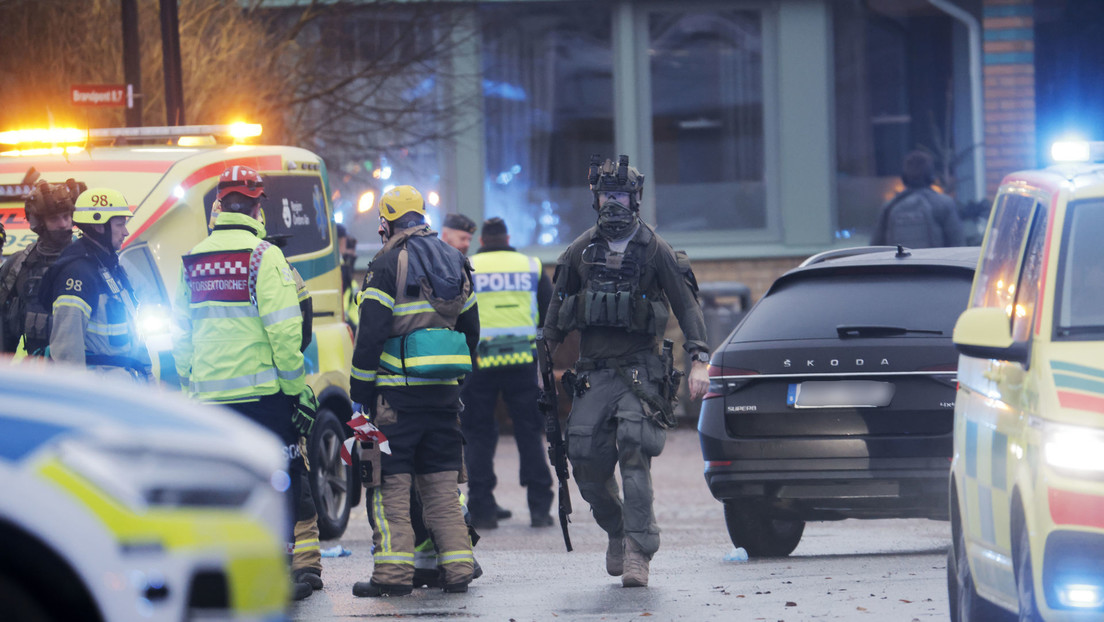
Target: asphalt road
[(849, 570)]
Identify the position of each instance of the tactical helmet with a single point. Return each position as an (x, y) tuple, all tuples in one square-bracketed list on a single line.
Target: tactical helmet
[(609, 177), (47, 200), (243, 180), (399, 201), (96, 206)]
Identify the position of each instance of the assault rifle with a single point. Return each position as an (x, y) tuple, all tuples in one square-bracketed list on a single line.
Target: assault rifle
[(557, 450)]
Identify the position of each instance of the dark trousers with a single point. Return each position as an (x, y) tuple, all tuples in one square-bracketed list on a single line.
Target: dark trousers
[(518, 386), (274, 413)]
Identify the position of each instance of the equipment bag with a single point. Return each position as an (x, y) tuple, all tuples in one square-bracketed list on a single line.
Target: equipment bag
[(428, 353)]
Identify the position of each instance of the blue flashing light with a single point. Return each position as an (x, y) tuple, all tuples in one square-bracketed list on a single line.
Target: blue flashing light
[(1070, 151)]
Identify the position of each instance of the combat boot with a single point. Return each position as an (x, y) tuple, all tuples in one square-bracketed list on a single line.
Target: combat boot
[(310, 576), (300, 590), (615, 556), (636, 566)]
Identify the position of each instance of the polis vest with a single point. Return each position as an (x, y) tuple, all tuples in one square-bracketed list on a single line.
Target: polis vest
[(506, 288)]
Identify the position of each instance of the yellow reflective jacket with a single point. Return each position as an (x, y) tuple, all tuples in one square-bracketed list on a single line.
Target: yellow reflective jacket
[(506, 288), (238, 325)]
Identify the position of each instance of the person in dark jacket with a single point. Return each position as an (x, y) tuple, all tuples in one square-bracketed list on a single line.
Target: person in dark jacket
[(918, 217)]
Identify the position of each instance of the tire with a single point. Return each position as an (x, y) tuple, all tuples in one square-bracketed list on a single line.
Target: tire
[(966, 604), (1025, 580), (751, 527), (20, 604), (330, 478)]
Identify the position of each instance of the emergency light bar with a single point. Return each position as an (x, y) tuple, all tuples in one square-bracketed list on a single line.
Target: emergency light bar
[(1077, 151), (36, 139)]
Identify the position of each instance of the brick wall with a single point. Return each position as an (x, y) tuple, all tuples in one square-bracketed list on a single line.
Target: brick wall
[(758, 274), (1009, 70)]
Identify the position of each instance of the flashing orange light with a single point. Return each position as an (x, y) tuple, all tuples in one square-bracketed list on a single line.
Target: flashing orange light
[(241, 130), (52, 135), (43, 151), (366, 203)]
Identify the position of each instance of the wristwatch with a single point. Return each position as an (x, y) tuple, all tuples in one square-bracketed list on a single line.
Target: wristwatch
[(701, 356)]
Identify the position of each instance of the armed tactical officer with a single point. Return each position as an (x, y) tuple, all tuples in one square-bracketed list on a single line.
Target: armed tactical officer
[(615, 284), (419, 327), (93, 303), (49, 212)]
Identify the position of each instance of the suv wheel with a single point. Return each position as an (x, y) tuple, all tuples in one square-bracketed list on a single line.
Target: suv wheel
[(331, 479), (751, 527)]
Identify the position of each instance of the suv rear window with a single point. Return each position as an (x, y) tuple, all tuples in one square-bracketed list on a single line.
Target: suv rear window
[(811, 307)]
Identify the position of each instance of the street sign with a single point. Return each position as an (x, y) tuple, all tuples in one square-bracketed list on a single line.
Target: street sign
[(102, 95)]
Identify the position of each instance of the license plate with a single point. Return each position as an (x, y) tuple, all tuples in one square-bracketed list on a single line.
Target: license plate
[(840, 394)]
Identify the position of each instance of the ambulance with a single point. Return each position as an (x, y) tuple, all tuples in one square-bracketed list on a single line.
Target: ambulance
[(1027, 473), (169, 175)]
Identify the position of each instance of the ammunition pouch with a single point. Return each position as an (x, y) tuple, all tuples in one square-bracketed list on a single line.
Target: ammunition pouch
[(36, 331), (629, 311)]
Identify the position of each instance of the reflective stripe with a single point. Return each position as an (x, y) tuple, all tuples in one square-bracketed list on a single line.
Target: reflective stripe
[(307, 545), (109, 330), (73, 301), (469, 304), (286, 313), (438, 359), (512, 331), (394, 558), (223, 312), (230, 384), (290, 374), (378, 295), (391, 360), (452, 557), (410, 308), (366, 376), (381, 519), (395, 380)]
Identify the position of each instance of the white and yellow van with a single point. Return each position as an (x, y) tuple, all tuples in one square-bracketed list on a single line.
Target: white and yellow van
[(169, 174), (1027, 476)]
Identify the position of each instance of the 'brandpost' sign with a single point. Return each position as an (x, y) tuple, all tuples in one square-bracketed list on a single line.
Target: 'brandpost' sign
[(102, 95)]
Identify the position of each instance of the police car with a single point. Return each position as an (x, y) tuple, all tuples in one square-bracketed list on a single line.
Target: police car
[(1027, 476), (124, 504), (170, 175)]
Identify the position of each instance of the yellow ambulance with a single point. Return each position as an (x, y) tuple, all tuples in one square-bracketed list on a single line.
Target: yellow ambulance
[(169, 175), (1027, 475)]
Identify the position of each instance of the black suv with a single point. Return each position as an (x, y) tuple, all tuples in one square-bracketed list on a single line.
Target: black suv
[(834, 397)]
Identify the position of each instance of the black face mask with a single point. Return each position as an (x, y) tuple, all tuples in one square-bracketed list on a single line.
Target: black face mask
[(55, 241), (615, 220)]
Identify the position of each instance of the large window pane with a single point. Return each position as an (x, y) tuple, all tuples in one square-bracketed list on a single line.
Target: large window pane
[(707, 119), (893, 75), (548, 105)]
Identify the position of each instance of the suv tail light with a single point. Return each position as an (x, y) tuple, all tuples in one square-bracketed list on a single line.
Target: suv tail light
[(725, 379)]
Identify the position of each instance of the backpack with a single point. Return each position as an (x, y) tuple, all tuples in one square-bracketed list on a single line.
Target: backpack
[(910, 221)]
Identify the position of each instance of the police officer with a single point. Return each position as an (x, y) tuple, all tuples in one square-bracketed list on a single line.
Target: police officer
[(615, 284), (406, 372), (513, 293), (49, 212), (93, 303), (238, 329), (457, 231)]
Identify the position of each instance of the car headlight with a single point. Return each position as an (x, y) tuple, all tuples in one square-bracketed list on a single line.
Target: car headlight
[(1074, 448), (141, 477)]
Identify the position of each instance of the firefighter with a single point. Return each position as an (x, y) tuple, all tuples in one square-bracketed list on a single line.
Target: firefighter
[(238, 329), (49, 212), (93, 302), (419, 327), (616, 284), (513, 292)]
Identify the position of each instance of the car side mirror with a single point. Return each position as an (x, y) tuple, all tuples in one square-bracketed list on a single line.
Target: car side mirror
[(986, 333)]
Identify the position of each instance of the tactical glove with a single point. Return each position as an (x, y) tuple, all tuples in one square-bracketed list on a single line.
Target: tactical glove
[(306, 410)]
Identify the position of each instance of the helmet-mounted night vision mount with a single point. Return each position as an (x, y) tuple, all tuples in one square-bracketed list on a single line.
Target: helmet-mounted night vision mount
[(609, 177)]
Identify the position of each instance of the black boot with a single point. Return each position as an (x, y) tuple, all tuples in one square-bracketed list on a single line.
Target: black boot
[(371, 589)]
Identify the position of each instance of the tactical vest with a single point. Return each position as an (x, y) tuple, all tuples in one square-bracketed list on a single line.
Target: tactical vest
[(432, 289), (506, 288), (618, 290), (23, 313)]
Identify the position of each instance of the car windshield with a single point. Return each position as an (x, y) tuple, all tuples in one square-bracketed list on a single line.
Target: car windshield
[(911, 302), (1080, 310)]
